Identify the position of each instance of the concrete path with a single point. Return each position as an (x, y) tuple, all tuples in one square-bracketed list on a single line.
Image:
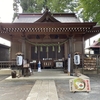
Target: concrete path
[(43, 90)]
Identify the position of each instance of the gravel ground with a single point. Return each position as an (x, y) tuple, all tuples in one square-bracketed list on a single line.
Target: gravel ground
[(15, 90), (19, 89), (65, 94)]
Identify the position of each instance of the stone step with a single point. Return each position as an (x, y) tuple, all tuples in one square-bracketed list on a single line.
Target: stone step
[(5, 71)]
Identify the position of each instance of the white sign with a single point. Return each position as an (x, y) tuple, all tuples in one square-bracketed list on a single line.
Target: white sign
[(79, 84), (59, 64)]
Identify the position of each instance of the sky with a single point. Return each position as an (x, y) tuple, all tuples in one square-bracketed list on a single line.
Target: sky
[(6, 10), (6, 15)]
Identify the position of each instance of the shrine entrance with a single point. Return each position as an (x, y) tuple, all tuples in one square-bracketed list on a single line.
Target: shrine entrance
[(51, 55)]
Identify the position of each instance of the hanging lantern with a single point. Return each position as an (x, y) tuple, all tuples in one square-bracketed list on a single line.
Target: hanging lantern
[(35, 49), (53, 48), (59, 49), (47, 49), (41, 49)]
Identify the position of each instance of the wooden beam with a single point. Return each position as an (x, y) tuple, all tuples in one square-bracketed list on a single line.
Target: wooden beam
[(42, 25)]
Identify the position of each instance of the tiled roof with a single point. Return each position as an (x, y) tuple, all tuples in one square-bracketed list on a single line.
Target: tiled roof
[(31, 18), (26, 19), (67, 19), (4, 46), (96, 44)]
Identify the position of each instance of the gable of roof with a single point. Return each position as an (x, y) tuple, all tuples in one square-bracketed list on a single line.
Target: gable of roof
[(46, 17)]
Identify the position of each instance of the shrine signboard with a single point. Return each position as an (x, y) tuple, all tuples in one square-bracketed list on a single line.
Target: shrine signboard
[(79, 84)]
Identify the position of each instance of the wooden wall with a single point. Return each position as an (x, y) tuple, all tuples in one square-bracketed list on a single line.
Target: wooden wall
[(50, 54), (4, 53)]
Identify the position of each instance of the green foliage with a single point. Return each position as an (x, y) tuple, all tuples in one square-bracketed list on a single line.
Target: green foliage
[(57, 5), (90, 10), (99, 40), (15, 6), (14, 16), (40, 5)]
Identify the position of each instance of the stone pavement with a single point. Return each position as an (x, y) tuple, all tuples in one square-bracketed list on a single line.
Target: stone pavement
[(43, 90), (22, 89)]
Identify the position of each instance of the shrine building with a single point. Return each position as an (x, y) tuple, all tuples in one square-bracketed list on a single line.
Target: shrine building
[(48, 36)]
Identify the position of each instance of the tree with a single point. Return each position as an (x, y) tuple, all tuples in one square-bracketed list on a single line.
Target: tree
[(38, 6), (15, 7), (53, 5), (89, 10)]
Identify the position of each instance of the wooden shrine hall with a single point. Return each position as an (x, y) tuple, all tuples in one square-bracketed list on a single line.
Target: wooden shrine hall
[(48, 36)]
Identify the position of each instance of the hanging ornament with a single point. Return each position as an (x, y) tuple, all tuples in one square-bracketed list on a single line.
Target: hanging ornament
[(47, 49), (35, 49), (41, 49), (53, 48), (59, 49)]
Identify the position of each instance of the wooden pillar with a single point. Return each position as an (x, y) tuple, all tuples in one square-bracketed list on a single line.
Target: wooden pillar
[(28, 49), (56, 52), (71, 52), (66, 56), (65, 50), (11, 39), (24, 47), (83, 46)]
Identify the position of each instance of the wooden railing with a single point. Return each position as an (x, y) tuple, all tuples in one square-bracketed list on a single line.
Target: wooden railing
[(7, 64)]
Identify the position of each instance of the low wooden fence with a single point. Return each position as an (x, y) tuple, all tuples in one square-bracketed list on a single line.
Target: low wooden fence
[(91, 62), (7, 64)]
